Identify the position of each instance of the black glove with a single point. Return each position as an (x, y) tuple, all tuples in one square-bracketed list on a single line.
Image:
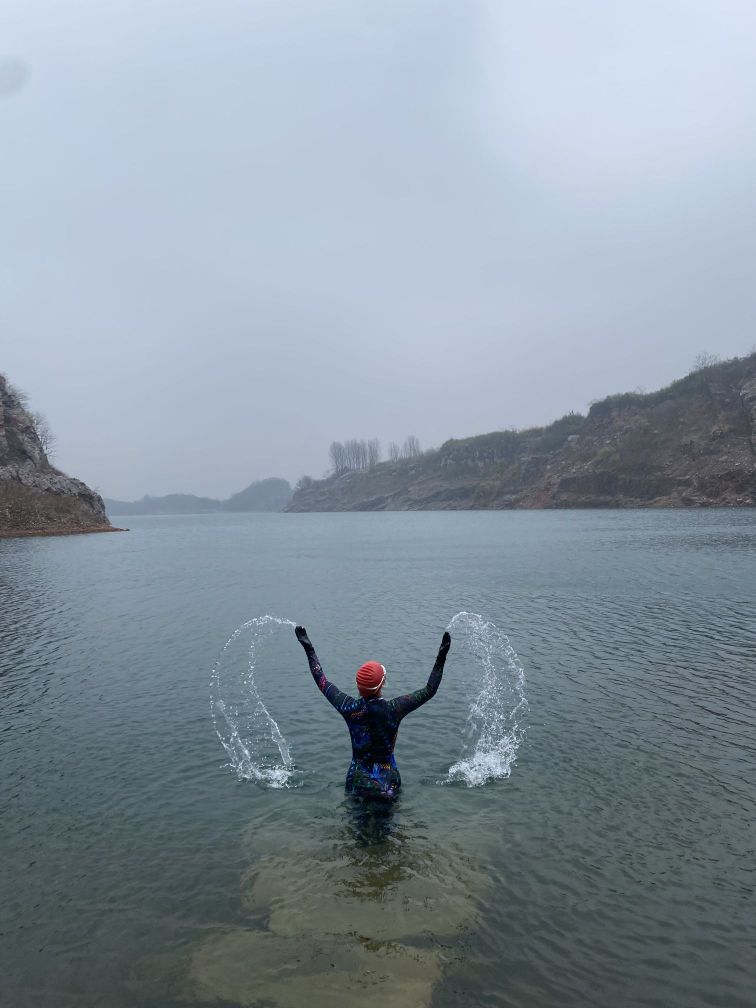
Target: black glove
[(302, 637), (443, 651)]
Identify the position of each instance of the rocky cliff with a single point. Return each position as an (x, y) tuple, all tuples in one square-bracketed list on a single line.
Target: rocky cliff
[(692, 444), (36, 498)]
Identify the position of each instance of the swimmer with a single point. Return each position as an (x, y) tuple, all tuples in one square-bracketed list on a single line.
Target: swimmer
[(373, 722)]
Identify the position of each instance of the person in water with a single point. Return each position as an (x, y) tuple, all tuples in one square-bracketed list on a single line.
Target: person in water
[(373, 722)]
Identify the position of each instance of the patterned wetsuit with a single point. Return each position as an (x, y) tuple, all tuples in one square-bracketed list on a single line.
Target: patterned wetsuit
[(373, 725)]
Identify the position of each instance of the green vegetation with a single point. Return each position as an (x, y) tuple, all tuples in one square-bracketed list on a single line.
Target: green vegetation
[(606, 458), (555, 435), (499, 444), (507, 444), (697, 380)]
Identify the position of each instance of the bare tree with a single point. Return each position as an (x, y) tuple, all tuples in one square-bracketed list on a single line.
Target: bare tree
[(354, 455), (704, 360), (38, 420), (411, 447), (44, 432), (19, 395), (337, 456), (394, 452), (304, 483)]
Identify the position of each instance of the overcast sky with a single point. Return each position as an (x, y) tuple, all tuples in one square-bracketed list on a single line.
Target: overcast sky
[(232, 232)]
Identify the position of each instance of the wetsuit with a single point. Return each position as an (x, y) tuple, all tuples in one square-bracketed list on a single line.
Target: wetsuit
[(373, 726)]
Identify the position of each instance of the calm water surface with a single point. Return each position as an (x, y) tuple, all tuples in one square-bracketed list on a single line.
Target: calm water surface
[(615, 866)]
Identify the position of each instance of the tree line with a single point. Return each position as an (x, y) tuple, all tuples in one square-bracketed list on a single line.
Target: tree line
[(346, 456), (356, 454)]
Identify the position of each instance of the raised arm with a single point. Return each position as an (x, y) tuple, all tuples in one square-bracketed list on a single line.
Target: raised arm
[(411, 701), (333, 695)]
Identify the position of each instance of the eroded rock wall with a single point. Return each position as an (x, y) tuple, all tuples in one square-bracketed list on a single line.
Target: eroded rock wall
[(36, 498)]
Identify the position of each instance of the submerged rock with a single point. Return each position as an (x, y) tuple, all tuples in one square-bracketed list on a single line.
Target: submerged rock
[(372, 912), (257, 967)]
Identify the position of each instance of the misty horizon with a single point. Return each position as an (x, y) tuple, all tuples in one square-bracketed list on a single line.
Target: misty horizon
[(234, 235), (407, 450)]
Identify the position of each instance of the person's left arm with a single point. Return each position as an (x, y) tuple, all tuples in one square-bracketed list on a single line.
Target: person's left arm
[(411, 701), (332, 693)]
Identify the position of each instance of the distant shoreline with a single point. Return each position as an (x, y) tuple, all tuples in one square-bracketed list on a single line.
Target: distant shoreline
[(480, 510), (30, 533)]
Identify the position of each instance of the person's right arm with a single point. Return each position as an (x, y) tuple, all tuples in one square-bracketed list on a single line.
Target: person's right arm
[(332, 694), (411, 701)]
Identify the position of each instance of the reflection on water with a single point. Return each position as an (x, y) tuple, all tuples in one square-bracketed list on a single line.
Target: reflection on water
[(369, 823), (372, 899)]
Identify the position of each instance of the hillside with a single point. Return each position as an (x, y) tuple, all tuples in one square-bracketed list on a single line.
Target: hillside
[(264, 495), (35, 497), (170, 504), (691, 444)]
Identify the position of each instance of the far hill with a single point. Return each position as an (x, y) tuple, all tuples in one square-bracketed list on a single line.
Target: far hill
[(265, 495), (691, 444)]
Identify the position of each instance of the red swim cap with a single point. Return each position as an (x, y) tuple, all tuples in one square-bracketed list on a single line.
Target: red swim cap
[(370, 678)]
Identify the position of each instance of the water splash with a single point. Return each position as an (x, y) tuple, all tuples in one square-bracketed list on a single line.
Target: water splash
[(497, 721), (245, 727)]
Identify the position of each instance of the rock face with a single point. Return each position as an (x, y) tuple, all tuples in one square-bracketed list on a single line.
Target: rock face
[(36, 498), (691, 444)]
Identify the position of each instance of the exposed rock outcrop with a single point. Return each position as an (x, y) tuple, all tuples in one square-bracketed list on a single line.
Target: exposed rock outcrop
[(36, 498), (692, 444)]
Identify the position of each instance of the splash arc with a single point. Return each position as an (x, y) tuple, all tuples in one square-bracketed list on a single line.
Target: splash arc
[(497, 720), (250, 735)]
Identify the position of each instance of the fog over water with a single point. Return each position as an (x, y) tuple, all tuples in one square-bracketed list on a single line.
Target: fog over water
[(233, 233)]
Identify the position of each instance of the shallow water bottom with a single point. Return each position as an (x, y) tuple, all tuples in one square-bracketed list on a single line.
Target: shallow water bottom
[(376, 912)]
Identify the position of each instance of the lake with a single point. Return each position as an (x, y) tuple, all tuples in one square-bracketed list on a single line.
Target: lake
[(595, 844)]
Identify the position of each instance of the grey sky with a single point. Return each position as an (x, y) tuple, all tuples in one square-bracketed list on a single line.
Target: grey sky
[(235, 231)]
